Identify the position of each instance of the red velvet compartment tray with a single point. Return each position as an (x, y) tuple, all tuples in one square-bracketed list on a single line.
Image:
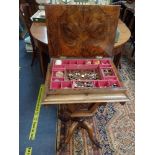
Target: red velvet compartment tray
[(83, 76)]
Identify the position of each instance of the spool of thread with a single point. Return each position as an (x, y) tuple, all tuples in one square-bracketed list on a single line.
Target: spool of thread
[(96, 62), (58, 62), (88, 62), (59, 74)]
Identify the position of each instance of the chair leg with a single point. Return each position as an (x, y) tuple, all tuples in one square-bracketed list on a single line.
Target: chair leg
[(70, 132), (33, 57), (133, 52), (117, 60), (89, 129), (42, 64)]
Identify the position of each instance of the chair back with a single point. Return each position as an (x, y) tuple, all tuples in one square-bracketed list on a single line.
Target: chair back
[(81, 30), (26, 14), (25, 10)]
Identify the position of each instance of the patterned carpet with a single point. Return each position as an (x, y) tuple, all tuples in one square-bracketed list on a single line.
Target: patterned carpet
[(113, 124)]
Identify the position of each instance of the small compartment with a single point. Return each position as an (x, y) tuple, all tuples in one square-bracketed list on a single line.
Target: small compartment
[(65, 62), (57, 62), (81, 67), (103, 83), (55, 85), (114, 83), (59, 73), (71, 67), (81, 62), (89, 67), (107, 72), (96, 83), (105, 65), (59, 66), (96, 62), (109, 78), (58, 69), (66, 84), (105, 62), (83, 84), (88, 62), (57, 79), (73, 62), (84, 74)]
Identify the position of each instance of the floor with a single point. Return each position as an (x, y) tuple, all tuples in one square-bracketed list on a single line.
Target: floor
[(30, 79)]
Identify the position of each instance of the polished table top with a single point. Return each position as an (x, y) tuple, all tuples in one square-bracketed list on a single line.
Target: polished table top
[(39, 32)]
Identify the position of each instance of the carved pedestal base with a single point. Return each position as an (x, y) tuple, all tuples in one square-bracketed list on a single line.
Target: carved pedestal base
[(65, 115), (78, 113), (76, 124)]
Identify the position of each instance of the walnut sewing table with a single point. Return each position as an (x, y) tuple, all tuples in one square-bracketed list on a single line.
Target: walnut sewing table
[(81, 32)]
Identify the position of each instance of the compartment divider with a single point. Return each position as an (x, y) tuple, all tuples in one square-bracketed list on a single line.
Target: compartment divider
[(81, 64)]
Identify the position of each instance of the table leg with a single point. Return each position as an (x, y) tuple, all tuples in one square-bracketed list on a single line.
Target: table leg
[(89, 129), (70, 132), (117, 57), (65, 116), (43, 51)]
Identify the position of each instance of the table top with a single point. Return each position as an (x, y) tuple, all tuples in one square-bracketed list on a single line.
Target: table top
[(39, 32)]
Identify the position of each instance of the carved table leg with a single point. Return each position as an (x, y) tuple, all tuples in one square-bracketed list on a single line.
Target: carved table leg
[(89, 129), (65, 116), (70, 132), (69, 135)]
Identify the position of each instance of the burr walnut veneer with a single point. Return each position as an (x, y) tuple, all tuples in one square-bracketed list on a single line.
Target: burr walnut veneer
[(81, 30)]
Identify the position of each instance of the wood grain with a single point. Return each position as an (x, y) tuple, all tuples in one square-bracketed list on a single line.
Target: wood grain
[(81, 31)]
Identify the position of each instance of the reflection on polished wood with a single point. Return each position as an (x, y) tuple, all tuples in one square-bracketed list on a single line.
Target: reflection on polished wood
[(39, 32)]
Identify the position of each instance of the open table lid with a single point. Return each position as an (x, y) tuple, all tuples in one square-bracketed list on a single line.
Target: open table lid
[(81, 30)]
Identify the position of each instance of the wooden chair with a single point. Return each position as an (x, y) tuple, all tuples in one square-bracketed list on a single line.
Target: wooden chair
[(129, 19), (80, 31), (26, 13), (122, 7)]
